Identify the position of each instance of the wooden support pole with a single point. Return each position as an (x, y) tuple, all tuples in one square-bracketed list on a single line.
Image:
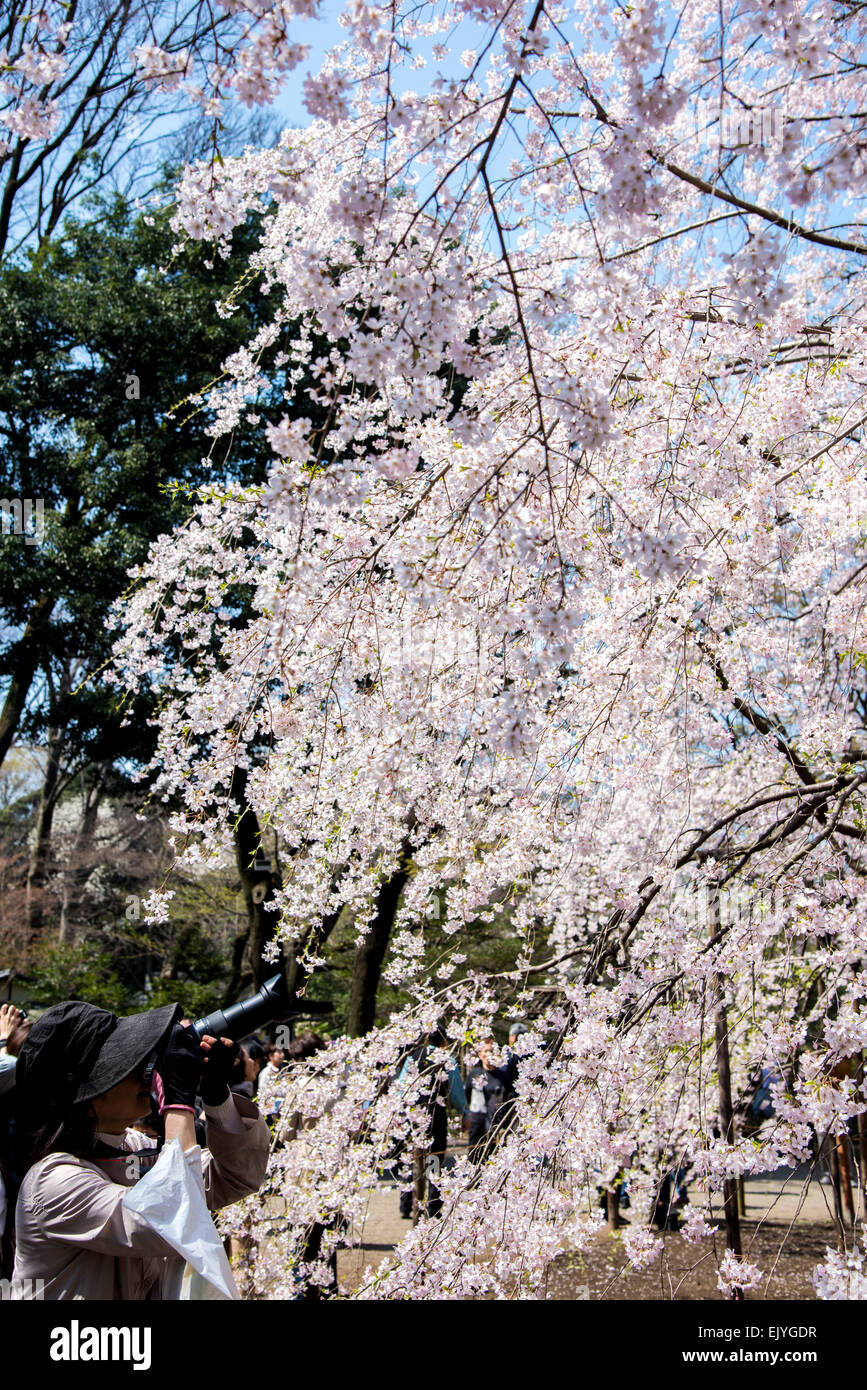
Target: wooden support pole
[(834, 1169), (862, 1144), (418, 1183), (724, 1082), (841, 1144), (612, 1208)]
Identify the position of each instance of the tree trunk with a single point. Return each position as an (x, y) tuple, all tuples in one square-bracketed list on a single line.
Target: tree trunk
[(742, 1197), (92, 798), (612, 1207), (27, 654), (40, 853), (841, 1144), (294, 973), (236, 976), (370, 954), (258, 879), (92, 795), (63, 929)]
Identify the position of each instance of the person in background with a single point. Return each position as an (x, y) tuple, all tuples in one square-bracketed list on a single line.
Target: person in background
[(248, 1065), (486, 1088), (276, 1058), (10, 1024), (298, 1051), (670, 1201), (436, 1097), (512, 1058), (511, 1065), (13, 1030), (256, 1053), (305, 1046)]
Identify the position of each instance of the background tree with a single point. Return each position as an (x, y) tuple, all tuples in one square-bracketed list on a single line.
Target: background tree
[(79, 109), (107, 331)]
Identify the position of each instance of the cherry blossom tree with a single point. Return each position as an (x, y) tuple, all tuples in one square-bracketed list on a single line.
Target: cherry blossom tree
[(557, 579)]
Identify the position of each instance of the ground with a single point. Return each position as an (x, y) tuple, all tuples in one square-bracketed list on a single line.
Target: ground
[(788, 1224), (689, 1271)]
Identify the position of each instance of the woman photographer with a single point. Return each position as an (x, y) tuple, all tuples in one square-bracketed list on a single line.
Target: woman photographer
[(83, 1079)]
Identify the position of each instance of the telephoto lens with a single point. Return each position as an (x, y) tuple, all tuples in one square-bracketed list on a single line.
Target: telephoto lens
[(238, 1020)]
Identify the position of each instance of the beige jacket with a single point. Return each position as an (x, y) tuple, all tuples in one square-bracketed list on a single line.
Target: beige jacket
[(74, 1232)]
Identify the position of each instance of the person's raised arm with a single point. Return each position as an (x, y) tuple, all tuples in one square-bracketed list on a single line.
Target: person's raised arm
[(181, 1124), (177, 1085), (10, 1017)]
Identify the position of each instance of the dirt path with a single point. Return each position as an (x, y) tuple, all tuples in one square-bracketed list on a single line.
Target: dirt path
[(782, 1210)]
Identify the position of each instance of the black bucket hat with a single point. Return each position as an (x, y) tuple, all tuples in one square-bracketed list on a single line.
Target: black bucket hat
[(76, 1051)]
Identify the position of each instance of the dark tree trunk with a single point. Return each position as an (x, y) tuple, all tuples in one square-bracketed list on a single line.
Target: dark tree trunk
[(236, 977), (370, 954), (259, 878), (834, 1170), (295, 974), (419, 1183), (24, 661), (92, 794), (40, 854), (258, 881), (612, 1208)]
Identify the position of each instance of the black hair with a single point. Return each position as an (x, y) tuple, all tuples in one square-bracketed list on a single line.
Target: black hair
[(305, 1046), (254, 1049), (71, 1133)]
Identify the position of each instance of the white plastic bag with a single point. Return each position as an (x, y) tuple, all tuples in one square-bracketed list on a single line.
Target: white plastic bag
[(171, 1198)]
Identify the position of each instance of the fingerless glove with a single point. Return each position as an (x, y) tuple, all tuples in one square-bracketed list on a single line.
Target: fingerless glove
[(180, 1070), (217, 1070)]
